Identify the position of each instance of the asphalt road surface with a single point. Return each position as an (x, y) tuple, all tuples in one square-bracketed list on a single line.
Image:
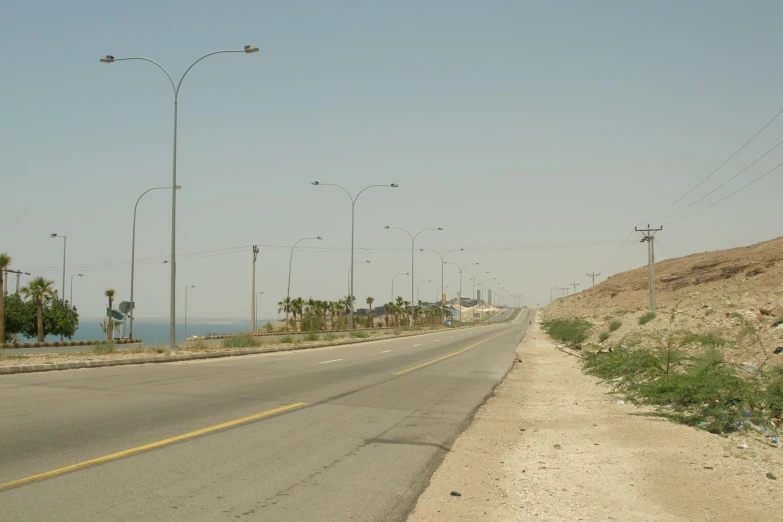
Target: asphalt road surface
[(332, 434)]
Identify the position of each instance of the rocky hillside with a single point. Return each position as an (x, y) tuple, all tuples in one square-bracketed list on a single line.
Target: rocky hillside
[(730, 299)]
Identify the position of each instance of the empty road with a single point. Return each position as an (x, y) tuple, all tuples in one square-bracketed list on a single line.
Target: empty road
[(330, 434)]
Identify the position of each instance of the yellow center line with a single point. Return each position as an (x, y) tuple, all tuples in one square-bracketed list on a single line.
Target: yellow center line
[(146, 447), (451, 354)]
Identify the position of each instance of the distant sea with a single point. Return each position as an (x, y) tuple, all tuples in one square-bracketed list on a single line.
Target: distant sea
[(156, 332)]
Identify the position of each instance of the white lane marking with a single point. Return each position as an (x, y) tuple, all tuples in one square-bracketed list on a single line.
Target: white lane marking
[(385, 351), (333, 360), (437, 340), (415, 345)]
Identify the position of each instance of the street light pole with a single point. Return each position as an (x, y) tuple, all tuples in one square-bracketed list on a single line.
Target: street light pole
[(65, 244), (290, 261), (248, 49), (393, 278), (461, 268), (72, 276), (256, 309), (473, 295), (443, 262), (133, 251), (419, 286), (413, 250), (350, 269), (186, 310), (353, 216)]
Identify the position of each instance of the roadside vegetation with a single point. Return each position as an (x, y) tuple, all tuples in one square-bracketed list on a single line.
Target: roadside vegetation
[(570, 331)]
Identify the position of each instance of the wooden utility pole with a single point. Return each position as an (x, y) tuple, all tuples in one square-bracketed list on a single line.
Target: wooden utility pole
[(592, 297), (648, 235)]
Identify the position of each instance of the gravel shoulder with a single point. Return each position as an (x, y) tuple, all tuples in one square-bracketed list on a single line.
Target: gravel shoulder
[(553, 444)]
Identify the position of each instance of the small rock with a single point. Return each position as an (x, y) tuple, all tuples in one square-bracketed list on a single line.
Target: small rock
[(620, 402), (456, 494), (749, 368), (558, 446), (707, 467), (743, 446), (770, 476), (779, 349)]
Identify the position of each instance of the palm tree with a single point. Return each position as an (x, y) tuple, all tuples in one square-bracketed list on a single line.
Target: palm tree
[(334, 311), (297, 307), (370, 301), (110, 294), (41, 290), (388, 309), (311, 304), (5, 260), (285, 306)]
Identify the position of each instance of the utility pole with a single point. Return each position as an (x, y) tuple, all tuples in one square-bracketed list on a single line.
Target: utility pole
[(574, 285), (592, 298), (253, 325), (648, 235)]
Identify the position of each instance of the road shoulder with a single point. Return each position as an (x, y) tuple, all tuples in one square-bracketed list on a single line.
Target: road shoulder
[(551, 443)]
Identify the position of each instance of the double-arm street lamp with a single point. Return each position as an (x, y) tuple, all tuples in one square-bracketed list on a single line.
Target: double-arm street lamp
[(353, 215), (133, 251), (248, 49), (290, 261), (413, 251), (461, 269), (393, 278), (443, 262), (473, 297)]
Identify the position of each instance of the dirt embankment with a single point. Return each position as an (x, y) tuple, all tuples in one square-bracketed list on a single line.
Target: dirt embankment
[(726, 294), (552, 444)]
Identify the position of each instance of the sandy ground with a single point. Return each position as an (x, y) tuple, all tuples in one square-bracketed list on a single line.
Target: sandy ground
[(552, 444)]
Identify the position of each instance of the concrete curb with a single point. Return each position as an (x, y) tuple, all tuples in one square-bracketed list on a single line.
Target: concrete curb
[(74, 365)]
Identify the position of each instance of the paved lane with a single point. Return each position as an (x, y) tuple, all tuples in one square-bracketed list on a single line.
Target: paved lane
[(376, 422)]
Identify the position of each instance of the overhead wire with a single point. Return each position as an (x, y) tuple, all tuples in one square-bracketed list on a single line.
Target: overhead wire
[(718, 168)]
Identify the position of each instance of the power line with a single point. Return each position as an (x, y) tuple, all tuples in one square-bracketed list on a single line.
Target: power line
[(717, 169), (728, 196), (724, 183)]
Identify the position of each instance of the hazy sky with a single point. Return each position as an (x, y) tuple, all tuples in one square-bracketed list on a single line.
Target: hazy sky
[(515, 126)]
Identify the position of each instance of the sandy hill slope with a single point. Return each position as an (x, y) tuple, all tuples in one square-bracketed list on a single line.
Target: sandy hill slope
[(733, 294)]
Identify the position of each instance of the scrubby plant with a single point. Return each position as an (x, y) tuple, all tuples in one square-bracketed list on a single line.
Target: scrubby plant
[(244, 340), (615, 325), (646, 318)]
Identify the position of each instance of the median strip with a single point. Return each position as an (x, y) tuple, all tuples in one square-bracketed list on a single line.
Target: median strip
[(451, 354), (146, 447)]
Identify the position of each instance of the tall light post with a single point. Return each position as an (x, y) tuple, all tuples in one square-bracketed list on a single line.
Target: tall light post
[(248, 49), (65, 243), (71, 298), (443, 262), (481, 283), (473, 294), (133, 250), (256, 310), (291, 259), (350, 270), (186, 309), (419, 286), (461, 269), (393, 278), (413, 251), (353, 219)]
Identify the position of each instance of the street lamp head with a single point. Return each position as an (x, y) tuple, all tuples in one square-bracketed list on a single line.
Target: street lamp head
[(177, 187), (80, 275), (27, 273), (319, 238), (386, 227), (164, 261), (394, 185), (250, 49), (52, 235), (107, 59), (315, 183), (368, 260), (439, 228)]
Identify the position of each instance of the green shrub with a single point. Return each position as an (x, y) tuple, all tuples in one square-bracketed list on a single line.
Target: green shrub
[(161, 350), (360, 335), (244, 340), (330, 337), (199, 346), (615, 325), (646, 318), (623, 363), (604, 336), (312, 336), (572, 332), (286, 339), (268, 327), (105, 347), (709, 339)]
